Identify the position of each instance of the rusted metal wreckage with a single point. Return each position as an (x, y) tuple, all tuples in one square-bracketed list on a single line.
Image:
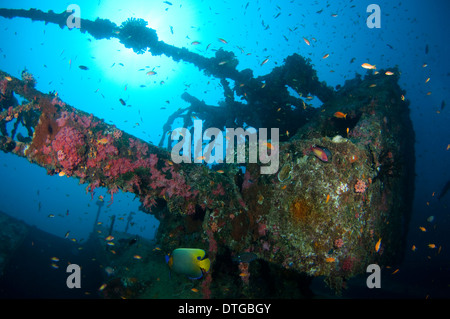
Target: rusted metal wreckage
[(318, 218)]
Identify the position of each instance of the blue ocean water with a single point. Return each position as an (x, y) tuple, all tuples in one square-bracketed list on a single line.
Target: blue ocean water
[(412, 33)]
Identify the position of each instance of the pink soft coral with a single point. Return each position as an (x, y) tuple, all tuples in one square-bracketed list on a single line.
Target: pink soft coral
[(360, 186), (67, 145)]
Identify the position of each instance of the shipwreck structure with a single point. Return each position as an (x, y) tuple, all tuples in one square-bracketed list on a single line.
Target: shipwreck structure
[(312, 218)]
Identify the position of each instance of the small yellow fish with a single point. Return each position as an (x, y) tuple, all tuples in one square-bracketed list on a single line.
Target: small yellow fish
[(427, 80), (102, 287), (137, 257), (54, 259), (432, 246), (220, 171), (448, 147), (102, 141), (243, 274), (413, 248), (55, 266), (372, 85), (395, 271), (51, 216), (403, 97), (194, 290), (8, 78), (423, 229), (389, 73), (378, 245), (368, 66), (109, 238), (61, 174)]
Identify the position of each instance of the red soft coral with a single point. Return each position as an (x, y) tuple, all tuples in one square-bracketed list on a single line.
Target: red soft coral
[(67, 144)]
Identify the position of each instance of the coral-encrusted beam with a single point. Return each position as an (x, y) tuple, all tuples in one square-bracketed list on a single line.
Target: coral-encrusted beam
[(70, 142)]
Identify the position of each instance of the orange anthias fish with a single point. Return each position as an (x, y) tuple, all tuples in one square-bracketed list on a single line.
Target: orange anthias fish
[(306, 41), (268, 145), (223, 41), (340, 115), (321, 153), (378, 245), (368, 66), (102, 141), (264, 62)]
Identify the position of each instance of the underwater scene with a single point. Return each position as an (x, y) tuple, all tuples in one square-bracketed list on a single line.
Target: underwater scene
[(242, 150)]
